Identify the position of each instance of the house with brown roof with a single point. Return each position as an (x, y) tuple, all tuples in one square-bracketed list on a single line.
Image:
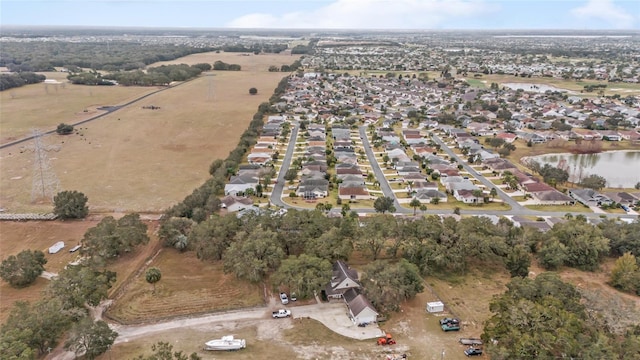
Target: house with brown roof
[(360, 309), (353, 193), (343, 278), (235, 203)]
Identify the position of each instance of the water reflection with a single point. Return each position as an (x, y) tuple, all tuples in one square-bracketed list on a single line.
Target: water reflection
[(620, 168)]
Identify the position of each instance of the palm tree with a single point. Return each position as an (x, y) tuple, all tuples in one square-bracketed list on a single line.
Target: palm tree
[(415, 203), (152, 276), (493, 193)]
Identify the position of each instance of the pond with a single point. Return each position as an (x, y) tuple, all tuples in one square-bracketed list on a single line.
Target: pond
[(539, 88), (620, 168)]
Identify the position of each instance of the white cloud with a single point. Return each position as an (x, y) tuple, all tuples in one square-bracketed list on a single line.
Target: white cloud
[(371, 14), (604, 10)]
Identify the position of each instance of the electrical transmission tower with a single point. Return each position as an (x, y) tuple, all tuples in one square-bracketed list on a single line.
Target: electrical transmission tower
[(45, 183)]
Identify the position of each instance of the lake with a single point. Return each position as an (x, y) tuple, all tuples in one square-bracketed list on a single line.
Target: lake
[(620, 168)]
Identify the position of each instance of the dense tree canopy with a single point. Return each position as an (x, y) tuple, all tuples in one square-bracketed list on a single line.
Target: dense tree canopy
[(574, 243), (111, 238), (70, 205), (90, 338), (33, 328), (302, 274), (545, 319), (23, 269), (81, 285), (387, 285)]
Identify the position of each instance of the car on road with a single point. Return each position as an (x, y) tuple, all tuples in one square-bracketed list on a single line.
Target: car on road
[(473, 351), (282, 313), (284, 299)]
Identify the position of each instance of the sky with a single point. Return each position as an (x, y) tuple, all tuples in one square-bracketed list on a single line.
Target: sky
[(328, 14)]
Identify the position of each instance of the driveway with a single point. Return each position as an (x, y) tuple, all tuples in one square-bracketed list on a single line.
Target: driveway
[(334, 315)]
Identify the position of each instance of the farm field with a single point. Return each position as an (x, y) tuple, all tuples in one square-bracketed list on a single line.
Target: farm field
[(145, 160)]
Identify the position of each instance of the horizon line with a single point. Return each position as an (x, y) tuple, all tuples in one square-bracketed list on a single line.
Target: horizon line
[(303, 29)]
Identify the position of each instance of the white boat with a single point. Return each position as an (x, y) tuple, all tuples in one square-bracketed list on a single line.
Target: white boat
[(225, 343)]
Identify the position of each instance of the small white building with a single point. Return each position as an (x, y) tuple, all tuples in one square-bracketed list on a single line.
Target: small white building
[(434, 307)]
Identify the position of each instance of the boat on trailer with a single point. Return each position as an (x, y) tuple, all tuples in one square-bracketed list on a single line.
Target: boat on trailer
[(227, 342)]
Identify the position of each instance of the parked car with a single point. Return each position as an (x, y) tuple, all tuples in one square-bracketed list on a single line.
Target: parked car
[(293, 297), (282, 313), (450, 327), (473, 351), (284, 299), (449, 321)]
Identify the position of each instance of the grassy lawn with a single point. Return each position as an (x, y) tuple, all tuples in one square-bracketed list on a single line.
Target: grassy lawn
[(559, 208), (573, 85), (188, 286), (476, 83)]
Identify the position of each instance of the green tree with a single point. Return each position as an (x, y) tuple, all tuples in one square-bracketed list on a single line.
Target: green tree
[(542, 319), (493, 193), (111, 238), (584, 243), (387, 285), (594, 181), (164, 351), (70, 205), (254, 254), (375, 233), (415, 203), (23, 269), (212, 237), (153, 275), (64, 129), (79, 285), (552, 255), (90, 339), (518, 261), (332, 245), (384, 204), (173, 228), (625, 275), (302, 274), (37, 326)]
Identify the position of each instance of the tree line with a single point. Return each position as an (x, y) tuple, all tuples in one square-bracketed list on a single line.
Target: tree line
[(106, 56), (10, 81)]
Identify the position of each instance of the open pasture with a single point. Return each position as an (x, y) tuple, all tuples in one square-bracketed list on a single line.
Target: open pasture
[(144, 160), (188, 286)]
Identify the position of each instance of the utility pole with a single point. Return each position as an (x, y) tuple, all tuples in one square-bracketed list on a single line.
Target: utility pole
[(45, 184)]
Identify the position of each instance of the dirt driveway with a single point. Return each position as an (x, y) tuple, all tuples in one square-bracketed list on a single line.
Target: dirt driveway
[(332, 315)]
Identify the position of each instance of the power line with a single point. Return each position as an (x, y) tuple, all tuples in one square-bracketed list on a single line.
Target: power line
[(45, 184)]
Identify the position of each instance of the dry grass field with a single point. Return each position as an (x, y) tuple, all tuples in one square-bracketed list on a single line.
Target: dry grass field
[(40, 235), (143, 160), (188, 286)]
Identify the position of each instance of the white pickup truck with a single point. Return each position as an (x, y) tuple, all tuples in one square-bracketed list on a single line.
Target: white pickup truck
[(281, 313)]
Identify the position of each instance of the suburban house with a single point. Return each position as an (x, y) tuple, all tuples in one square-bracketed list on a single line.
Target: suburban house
[(235, 203), (342, 279), (353, 193), (623, 198), (360, 309), (590, 197), (344, 284), (240, 184)]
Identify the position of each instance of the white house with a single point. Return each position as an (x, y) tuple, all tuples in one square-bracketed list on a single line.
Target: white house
[(235, 203), (360, 309)]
